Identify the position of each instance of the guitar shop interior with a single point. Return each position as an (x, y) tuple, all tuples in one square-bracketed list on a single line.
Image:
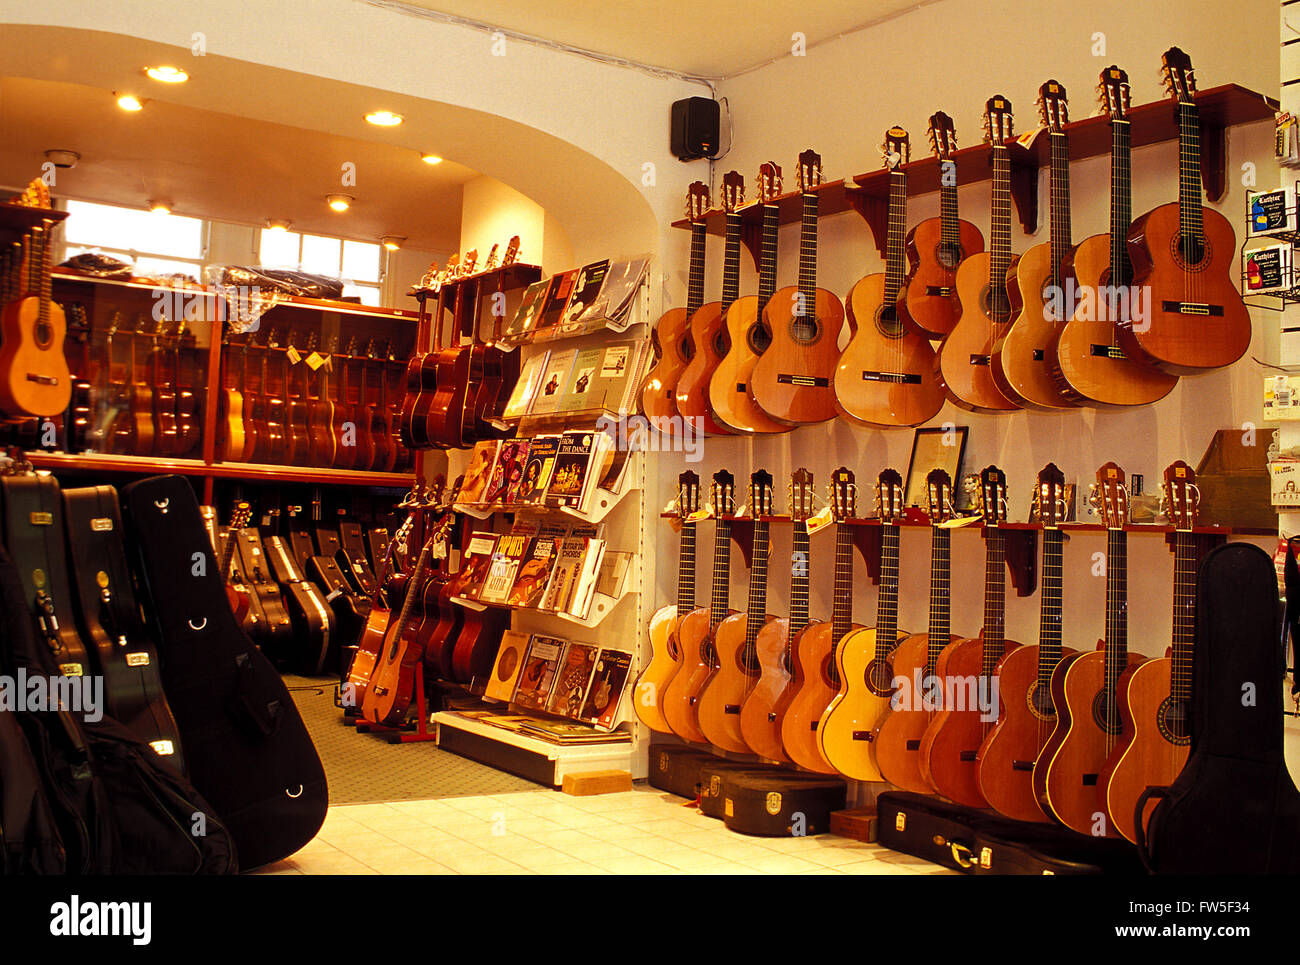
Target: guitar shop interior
[(774, 465)]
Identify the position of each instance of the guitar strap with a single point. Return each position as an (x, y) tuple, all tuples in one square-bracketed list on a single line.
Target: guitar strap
[(1291, 625)]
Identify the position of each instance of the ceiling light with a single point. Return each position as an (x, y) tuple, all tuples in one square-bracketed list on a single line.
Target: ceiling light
[(167, 74), (62, 158), (339, 202), (277, 224), (160, 207), (129, 102), (392, 242), (384, 118), (430, 159)]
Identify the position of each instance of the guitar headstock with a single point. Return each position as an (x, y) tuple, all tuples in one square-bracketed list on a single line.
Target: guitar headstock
[(733, 191), (512, 252), (760, 494), (938, 495), (492, 258), (688, 494), (844, 495), (769, 184), (999, 127), (810, 171), (993, 496), (1053, 107), (1049, 497), (240, 514), (1113, 93), (889, 496), (943, 136), (470, 260), (1180, 496), (724, 493), (897, 148), (801, 495), (1180, 82), (697, 201), (1109, 497)]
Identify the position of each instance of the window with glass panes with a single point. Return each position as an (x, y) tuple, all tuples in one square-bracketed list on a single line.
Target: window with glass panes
[(156, 243), (356, 262)]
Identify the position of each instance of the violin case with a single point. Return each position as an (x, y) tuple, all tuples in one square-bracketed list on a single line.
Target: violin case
[(246, 747)]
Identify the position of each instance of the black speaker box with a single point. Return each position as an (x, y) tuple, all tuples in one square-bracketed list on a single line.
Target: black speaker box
[(694, 131)]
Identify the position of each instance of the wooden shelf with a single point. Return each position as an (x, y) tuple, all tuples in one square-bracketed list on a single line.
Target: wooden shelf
[(1219, 108), (506, 278), (18, 219), (100, 462), (148, 465), (306, 474)]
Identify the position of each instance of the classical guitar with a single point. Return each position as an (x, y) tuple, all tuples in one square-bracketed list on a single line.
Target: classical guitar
[(134, 434), (34, 376), (80, 420), (351, 418), (950, 746), (376, 404), (421, 384), (664, 647), (1040, 302), (698, 660), (190, 385), (1027, 715), (792, 379), (671, 336), (502, 381), (897, 740), (887, 376), (965, 355), (232, 444), (322, 424), (472, 426), (448, 405), (370, 643), (863, 659), (297, 431), (708, 326), (1156, 695), (747, 335), (1186, 254), (163, 380), (1085, 688), (935, 247), (238, 593), (816, 678), (1086, 359)]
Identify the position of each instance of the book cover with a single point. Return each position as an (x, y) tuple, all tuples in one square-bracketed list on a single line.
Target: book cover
[(508, 472), (538, 674), (580, 391), (525, 390), (479, 471), (510, 661), (571, 680), (586, 288), (524, 323), (556, 300), (568, 567), (537, 470), (474, 565), (507, 556), (535, 572), (628, 401), (584, 587), (554, 377), (570, 732), (615, 298), (572, 464), (613, 571), (606, 690)]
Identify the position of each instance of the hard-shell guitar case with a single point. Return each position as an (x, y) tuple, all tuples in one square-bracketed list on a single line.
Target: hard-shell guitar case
[(780, 804), (313, 622), (675, 768), (247, 749), (1234, 808)]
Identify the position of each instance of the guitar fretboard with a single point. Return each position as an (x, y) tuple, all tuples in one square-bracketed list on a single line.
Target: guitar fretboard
[(695, 282), (1116, 608), (1189, 171), (767, 257), (940, 594), (887, 601), (1059, 185), (1184, 635), (895, 262), (799, 582), (995, 599), (686, 570), (948, 230), (731, 262), (1049, 612), (720, 601), (1121, 202), (842, 606), (808, 254), (754, 617), (1000, 235)]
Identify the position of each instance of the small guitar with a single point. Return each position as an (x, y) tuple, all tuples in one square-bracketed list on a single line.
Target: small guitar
[(34, 376), (1187, 255), (232, 443), (792, 379), (935, 247), (371, 641), (238, 593), (887, 376)]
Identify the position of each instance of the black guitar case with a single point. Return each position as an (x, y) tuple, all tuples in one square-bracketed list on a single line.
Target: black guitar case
[(1233, 810), (246, 746), (675, 768), (352, 543), (349, 611), (110, 621), (276, 630), (780, 804), (314, 639)]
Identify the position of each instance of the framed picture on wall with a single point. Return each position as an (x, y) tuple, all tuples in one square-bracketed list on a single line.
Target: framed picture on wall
[(937, 448)]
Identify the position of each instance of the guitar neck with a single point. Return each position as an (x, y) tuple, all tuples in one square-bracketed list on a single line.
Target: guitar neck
[(731, 262), (756, 615), (895, 263), (1116, 606), (1049, 619), (808, 252), (799, 581), (940, 593), (842, 606), (686, 570), (720, 600), (1184, 635), (1121, 202), (1059, 183), (949, 232), (1189, 171), (995, 599), (767, 260), (887, 601), (1000, 235), (695, 283)]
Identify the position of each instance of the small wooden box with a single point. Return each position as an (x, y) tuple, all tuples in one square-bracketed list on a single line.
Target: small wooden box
[(856, 823), (585, 783)]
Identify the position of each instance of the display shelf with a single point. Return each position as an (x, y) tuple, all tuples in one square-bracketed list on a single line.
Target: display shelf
[(506, 278), (93, 462), (554, 334), (18, 219), (603, 503), (109, 462), (304, 474), (602, 605)]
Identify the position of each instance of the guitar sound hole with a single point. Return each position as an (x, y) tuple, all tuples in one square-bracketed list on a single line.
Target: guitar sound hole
[(804, 328), (949, 254), (879, 678), (1040, 703), (760, 337), (1106, 714), (748, 662), (721, 343), (686, 348), (887, 321), (1172, 720), (43, 334), (1190, 251)]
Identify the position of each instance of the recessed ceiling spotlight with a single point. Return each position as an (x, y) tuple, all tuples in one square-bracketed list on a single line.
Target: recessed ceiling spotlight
[(278, 224), (384, 118), (167, 74), (430, 159), (62, 158), (339, 202), (392, 242), (128, 102), (160, 207)]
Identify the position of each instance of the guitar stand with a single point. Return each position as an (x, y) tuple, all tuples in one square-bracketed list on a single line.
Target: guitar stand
[(416, 733)]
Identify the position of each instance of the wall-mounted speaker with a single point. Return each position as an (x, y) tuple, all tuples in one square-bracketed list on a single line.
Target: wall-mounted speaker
[(694, 130)]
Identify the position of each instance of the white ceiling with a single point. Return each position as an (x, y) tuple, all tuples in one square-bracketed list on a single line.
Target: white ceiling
[(707, 38)]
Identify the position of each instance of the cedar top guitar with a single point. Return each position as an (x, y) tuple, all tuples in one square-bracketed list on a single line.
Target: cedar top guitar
[(1036, 283), (886, 376), (672, 333), (34, 376), (1087, 361), (747, 333), (965, 356), (792, 379), (937, 246), (1187, 254)]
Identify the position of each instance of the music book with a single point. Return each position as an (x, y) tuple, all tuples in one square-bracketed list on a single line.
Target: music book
[(525, 390), (524, 323), (535, 572), (538, 674), (510, 661), (605, 692), (572, 679), (612, 305), (474, 565), (580, 389), (479, 471), (554, 377), (508, 472), (537, 470), (586, 288), (556, 300), (507, 556)]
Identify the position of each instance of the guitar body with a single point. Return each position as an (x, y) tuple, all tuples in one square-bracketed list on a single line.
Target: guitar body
[(1152, 756), (34, 376), (1192, 343), (392, 682), (759, 722), (164, 419), (1020, 365), (1083, 357), (792, 380), (810, 692), (413, 434), (729, 383), (1025, 721), (681, 697), (724, 692), (477, 643), (471, 413), (845, 735), (966, 354), (442, 623), (443, 424), (298, 431), (672, 341), (366, 654), (929, 304), (653, 682), (1071, 775), (886, 375), (708, 333), (900, 731), (322, 432)]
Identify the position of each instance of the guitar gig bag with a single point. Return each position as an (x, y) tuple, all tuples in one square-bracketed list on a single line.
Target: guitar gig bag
[(1234, 808), (247, 748)]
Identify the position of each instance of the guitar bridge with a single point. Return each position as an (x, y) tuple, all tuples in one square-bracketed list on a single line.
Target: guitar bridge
[(42, 379), (979, 360), (898, 378), (941, 291), (1192, 308), (1107, 352), (804, 381), (731, 709)]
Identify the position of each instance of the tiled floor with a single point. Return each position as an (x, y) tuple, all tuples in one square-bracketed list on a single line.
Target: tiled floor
[(643, 831)]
